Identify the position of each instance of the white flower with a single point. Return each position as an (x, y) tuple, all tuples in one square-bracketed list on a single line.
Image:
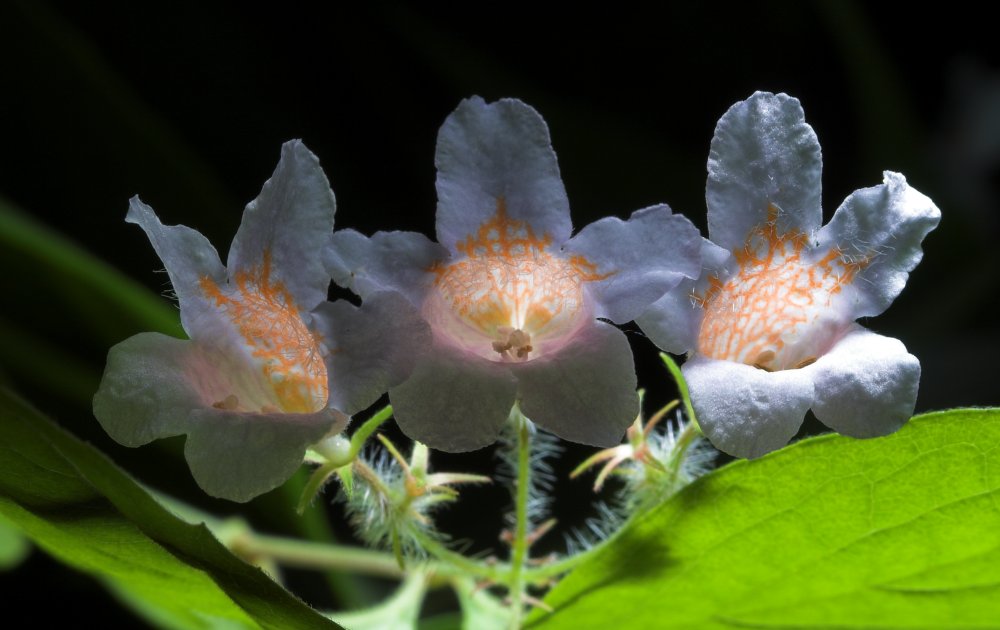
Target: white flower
[(515, 304), (771, 327), (270, 367)]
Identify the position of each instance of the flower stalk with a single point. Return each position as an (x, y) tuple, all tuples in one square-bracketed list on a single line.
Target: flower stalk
[(519, 546), (338, 461)]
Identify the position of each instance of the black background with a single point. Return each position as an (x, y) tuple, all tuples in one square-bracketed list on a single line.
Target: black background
[(187, 104)]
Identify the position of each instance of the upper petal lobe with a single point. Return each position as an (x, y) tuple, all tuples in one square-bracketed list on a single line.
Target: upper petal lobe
[(492, 156), (763, 154)]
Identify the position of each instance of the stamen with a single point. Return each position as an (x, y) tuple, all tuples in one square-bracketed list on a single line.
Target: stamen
[(763, 359), (513, 339), (229, 403), (509, 290)]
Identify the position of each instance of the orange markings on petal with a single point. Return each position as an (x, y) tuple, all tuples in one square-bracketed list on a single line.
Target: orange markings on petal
[(502, 236), (775, 312), (509, 281), (268, 320)]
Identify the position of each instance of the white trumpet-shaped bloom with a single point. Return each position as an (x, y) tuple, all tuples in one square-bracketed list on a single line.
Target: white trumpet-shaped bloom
[(271, 367), (770, 325), (516, 305)]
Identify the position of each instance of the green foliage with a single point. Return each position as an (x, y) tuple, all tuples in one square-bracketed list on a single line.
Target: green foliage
[(41, 263), (76, 505), (87, 286), (480, 610), (399, 612), (13, 546), (895, 532)]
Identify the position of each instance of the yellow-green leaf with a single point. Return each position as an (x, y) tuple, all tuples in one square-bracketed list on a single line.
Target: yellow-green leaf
[(894, 532), (76, 505)]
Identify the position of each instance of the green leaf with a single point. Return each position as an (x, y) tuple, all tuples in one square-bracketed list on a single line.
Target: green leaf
[(480, 610), (894, 532), (14, 547), (34, 348), (399, 612), (77, 506), (46, 363), (83, 283)]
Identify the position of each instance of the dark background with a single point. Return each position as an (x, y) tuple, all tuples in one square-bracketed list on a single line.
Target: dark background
[(187, 104)]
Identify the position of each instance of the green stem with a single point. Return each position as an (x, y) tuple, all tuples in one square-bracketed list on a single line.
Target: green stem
[(365, 472), (365, 431), (301, 554), (684, 441), (519, 547), (543, 573), (319, 556), (315, 483), (319, 476), (462, 565), (314, 526), (322, 556), (682, 387)]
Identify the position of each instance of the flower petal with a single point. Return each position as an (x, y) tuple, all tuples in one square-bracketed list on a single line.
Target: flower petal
[(493, 156), (372, 348), (866, 385), (453, 401), (396, 261), (882, 228), (188, 257), (238, 456), (763, 153), (746, 411), (288, 223), (672, 322), (145, 393), (642, 259), (586, 392)]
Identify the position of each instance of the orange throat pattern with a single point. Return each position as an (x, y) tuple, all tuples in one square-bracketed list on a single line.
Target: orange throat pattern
[(288, 354), (509, 298), (777, 311)]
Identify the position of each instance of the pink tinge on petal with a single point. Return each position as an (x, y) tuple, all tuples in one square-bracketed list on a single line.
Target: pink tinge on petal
[(287, 371), (509, 298), (777, 311)]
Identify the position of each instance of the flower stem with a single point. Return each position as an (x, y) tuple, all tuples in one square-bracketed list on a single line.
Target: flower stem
[(682, 388), (685, 439), (546, 572), (460, 565), (300, 554), (519, 547), (315, 483), (690, 432), (365, 431), (321, 556), (319, 477)]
